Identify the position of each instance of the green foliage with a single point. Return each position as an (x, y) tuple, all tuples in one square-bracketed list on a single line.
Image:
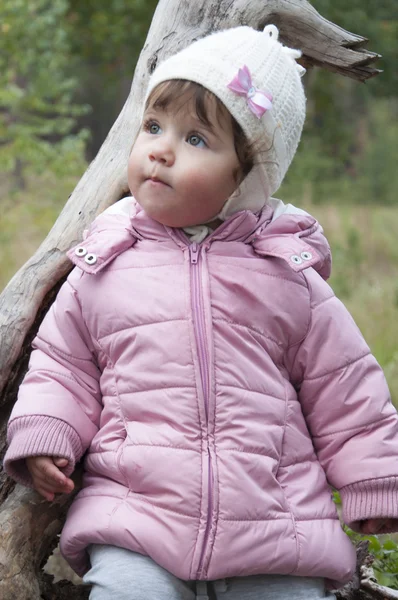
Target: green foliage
[(349, 147), (376, 168), (386, 561), (365, 258), (110, 33), (377, 21), (384, 549), (59, 58), (348, 173), (26, 216), (37, 111), (106, 38)]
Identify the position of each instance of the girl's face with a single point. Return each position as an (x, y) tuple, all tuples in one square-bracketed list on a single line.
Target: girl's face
[(181, 171)]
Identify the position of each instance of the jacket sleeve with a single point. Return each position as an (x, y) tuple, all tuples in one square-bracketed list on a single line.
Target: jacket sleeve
[(59, 402), (346, 403)]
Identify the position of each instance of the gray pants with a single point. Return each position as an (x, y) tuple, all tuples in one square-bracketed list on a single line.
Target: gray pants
[(118, 574)]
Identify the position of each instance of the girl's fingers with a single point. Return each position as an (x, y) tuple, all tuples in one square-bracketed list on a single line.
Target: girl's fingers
[(376, 526), (48, 491), (51, 473), (44, 467), (60, 462), (49, 487), (39, 486), (48, 480), (59, 487)]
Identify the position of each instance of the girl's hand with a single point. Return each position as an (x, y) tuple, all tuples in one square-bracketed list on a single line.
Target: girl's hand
[(47, 478), (378, 526)]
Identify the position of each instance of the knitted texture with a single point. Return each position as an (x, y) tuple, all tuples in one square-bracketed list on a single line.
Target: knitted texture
[(214, 61), (39, 435), (369, 499)]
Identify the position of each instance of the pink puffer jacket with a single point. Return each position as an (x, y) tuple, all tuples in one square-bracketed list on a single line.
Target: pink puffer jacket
[(217, 389)]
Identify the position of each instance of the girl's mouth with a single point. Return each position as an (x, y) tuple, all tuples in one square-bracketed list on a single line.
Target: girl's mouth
[(157, 182)]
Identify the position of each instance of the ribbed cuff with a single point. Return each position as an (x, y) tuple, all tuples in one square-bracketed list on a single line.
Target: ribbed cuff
[(40, 436), (370, 499)]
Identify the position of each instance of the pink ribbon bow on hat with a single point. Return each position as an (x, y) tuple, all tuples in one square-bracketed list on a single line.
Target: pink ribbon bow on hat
[(257, 100)]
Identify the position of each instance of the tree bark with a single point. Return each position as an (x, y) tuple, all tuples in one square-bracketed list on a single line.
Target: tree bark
[(28, 525)]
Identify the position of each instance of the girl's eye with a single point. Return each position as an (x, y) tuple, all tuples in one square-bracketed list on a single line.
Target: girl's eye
[(195, 140), (152, 127)]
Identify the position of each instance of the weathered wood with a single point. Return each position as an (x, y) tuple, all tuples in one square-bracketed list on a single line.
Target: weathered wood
[(375, 591), (175, 24), (63, 590), (28, 525), (323, 43)]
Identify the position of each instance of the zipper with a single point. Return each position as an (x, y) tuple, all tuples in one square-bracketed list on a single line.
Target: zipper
[(200, 334)]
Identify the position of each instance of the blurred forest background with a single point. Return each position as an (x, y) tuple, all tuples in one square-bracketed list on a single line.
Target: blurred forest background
[(65, 71)]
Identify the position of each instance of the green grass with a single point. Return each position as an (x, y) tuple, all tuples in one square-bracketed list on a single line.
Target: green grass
[(26, 218), (365, 274)]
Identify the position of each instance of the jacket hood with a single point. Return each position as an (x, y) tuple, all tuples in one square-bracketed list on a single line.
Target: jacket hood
[(299, 239), (278, 230)]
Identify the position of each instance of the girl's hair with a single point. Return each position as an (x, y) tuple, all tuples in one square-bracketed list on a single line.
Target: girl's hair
[(169, 92)]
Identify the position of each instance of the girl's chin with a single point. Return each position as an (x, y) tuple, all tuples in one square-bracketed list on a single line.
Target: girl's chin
[(170, 222), (167, 216), (163, 218)]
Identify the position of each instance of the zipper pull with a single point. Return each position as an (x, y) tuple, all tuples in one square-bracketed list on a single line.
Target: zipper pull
[(194, 253)]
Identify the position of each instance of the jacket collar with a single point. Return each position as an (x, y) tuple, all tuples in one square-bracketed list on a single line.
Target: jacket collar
[(240, 227), (296, 238)]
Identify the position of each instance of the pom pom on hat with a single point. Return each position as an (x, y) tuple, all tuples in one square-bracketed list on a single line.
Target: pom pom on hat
[(272, 31), (271, 111)]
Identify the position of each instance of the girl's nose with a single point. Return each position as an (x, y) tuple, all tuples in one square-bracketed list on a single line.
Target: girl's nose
[(162, 151)]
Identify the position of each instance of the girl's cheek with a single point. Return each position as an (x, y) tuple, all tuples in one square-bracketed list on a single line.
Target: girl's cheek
[(131, 176)]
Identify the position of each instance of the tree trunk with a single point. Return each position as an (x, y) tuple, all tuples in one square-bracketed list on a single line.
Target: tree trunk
[(28, 525)]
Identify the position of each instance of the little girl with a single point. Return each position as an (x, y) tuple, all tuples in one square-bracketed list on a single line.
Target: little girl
[(203, 366)]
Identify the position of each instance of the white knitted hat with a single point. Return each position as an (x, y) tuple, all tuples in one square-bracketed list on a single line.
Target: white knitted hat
[(213, 62)]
